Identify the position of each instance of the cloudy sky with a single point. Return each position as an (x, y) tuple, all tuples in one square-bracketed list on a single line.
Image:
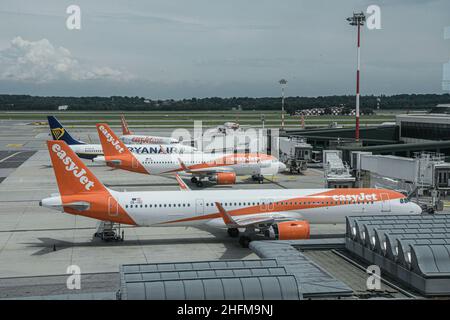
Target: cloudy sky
[(199, 48)]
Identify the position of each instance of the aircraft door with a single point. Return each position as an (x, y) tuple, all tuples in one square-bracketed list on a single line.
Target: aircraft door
[(266, 204), (385, 203), (199, 207), (113, 207), (134, 163)]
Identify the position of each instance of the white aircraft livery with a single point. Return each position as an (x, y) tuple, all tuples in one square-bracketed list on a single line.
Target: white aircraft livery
[(275, 213), (90, 151)]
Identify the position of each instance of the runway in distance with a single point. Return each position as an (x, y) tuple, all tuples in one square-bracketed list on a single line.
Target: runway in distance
[(129, 138), (90, 151), (272, 213), (221, 168)]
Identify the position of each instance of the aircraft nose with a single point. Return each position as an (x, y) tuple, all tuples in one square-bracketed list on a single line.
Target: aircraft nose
[(281, 167), (416, 209)]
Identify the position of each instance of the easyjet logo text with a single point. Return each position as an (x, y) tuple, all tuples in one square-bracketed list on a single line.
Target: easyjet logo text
[(115, 143), (72, 167), (356, 197), (146, 140)]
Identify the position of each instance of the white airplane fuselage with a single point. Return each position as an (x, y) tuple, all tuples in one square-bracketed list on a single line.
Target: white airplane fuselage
[(195, 208), (159, 164), (90, 151), (141, 139)]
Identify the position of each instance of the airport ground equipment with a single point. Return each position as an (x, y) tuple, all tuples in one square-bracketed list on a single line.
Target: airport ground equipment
[(295, 153), (109, 231), (337, 173), (412, 249)]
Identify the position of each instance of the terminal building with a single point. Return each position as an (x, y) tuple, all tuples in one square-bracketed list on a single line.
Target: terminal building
[(433, 126), (413, 132)]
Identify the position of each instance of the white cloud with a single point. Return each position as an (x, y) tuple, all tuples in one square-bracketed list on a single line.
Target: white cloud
[(41, 62)]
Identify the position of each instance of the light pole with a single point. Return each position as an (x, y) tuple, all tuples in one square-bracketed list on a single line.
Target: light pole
[(283, 83), (358, 20)]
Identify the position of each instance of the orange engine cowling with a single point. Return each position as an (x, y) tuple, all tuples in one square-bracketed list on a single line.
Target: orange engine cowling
[(226, 178), (289, 230)]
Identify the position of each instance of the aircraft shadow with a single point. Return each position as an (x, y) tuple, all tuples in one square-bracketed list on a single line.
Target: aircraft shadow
[(233, 250)]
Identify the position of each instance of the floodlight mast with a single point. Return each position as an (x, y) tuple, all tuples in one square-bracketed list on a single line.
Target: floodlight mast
[(358, 20)]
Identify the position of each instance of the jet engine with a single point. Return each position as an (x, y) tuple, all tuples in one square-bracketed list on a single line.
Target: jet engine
[(225, 178), (288, 230)]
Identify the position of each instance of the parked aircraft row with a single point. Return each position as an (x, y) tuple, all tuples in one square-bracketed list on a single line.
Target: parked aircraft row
[(272, 213), (221, 168), (90, 151)]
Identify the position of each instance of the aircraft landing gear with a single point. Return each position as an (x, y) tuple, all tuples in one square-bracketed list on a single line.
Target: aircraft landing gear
[(244, 241), (258, 177), (233, 232), (109, 231)]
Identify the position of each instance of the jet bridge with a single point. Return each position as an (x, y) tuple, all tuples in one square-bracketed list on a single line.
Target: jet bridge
[(427, 173)]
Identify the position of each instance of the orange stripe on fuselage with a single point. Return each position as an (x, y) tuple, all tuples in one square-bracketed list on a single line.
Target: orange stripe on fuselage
[(307, 202), (228, 160)]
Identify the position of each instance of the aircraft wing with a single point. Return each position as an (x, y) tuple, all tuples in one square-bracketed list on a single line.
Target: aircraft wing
[(236, 222), (209, 171), (245, 222), (183, 185), (203, 171)]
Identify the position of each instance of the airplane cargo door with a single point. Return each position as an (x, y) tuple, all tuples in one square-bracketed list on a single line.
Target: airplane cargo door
[(385, 203), (199, 206), (113, 207)]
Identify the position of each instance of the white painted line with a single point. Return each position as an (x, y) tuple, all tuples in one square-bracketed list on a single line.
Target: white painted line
[(4, 159)]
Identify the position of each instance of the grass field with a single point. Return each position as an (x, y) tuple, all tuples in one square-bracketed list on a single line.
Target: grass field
[(186, 119)]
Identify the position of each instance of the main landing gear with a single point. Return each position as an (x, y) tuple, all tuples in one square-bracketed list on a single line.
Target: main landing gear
[(244, 241), (244, 238), (109, 231), (258, 177), (197, 181), (233, 232)]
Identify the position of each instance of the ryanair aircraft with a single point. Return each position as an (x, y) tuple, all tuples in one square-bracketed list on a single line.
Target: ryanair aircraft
[(90, 151)]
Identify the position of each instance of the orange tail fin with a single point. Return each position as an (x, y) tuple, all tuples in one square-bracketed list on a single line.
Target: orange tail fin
[(80, 190), (111, 144), (71, 173), (116, 153), (124, 123)]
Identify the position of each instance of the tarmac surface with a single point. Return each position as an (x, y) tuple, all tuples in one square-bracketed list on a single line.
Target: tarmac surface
[(37, 244)]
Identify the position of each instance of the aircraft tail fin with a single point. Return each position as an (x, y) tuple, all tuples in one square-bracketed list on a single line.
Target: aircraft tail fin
[(111, 144), (81, 193), (72, 175), (60, 133), (125, 129), (116, 152)]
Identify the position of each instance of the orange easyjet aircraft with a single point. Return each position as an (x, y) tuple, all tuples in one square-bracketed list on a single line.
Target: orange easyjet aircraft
[(218, 167), (274, 213), (129, 137)]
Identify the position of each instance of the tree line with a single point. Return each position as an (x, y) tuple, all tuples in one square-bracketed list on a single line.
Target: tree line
[(292, 104)]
